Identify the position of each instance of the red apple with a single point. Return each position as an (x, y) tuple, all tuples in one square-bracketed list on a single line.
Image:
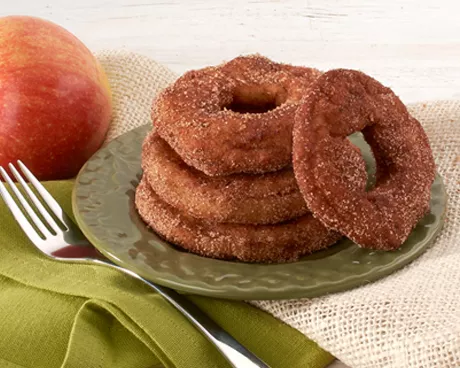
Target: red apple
[(55, 100)]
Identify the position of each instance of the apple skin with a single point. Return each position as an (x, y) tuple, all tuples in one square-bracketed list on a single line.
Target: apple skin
[(55, 99)]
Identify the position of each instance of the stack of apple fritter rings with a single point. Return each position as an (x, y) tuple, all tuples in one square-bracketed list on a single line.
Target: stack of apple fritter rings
[(218, 178)]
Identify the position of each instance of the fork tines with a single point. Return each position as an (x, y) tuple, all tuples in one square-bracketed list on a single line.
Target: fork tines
[(25, 210)]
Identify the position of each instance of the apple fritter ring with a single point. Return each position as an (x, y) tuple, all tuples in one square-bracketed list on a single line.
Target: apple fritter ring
[(233, 118), (339, 103), (238, 198), (249, 243)]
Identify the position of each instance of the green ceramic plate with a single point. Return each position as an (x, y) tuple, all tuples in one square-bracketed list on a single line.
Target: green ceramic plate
[(103, 207)]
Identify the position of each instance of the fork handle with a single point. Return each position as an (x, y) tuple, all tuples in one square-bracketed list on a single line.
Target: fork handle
[(235, 353)]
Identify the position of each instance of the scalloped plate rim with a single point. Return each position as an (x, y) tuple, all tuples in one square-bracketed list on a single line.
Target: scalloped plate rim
[(233, 291)]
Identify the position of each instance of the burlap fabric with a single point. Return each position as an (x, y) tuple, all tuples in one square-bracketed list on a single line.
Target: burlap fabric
[(409, 319), (135, 80)]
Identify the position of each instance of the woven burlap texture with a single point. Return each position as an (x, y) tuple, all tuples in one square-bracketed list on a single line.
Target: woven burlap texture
[(409, 319), (134, 80)]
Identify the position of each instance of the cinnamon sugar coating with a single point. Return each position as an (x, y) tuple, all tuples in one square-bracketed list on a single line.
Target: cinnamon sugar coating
[(339, 103), (282, 242), (238, 198), (233, 118)]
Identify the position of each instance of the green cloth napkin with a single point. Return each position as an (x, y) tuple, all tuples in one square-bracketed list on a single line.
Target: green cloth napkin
[(55, 314)]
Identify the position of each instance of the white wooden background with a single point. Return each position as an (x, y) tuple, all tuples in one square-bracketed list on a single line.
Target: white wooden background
[(413, 46)]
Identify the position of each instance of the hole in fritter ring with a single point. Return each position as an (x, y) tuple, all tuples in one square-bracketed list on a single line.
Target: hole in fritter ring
[(256, 99)]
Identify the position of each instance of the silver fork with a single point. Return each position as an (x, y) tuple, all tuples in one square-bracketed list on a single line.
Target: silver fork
[(62, 240)]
